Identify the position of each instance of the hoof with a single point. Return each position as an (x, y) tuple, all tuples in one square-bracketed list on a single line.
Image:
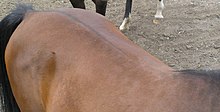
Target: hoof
[(122, 28), (159, 16)]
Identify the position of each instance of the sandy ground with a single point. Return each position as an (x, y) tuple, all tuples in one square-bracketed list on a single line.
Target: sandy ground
[(187, 38)]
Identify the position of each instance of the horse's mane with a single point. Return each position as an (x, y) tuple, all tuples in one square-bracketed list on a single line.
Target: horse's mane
[(7, 27), (213, 76)]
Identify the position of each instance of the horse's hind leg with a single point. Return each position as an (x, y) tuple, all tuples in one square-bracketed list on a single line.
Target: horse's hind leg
[(160, 7), (126, 21), (78, 4), (100, 6)]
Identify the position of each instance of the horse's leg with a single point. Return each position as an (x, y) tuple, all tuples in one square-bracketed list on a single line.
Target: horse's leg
[(100, 6), (160, 7), (78, 4), (125, 23)]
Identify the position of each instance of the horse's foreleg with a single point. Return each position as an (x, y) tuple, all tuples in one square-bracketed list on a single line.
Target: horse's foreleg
[(78, 4), (160, 7), (127, 16), (100, 6)]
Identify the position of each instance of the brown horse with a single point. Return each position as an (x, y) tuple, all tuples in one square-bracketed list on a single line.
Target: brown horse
[(72, 60)]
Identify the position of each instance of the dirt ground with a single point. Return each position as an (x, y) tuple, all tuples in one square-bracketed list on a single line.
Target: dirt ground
[(187, 38)]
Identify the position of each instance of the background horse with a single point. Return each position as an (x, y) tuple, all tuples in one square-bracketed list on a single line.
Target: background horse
[(101, 8), (65, 61), (99, 4)]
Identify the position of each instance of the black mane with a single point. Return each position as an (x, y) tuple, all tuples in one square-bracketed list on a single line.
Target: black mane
[(213, 76)]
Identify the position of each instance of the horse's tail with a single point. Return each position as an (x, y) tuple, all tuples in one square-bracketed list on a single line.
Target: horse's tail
[(7, 27)]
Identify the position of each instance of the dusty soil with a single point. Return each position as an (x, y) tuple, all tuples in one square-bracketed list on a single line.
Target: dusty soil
[(187, 38)]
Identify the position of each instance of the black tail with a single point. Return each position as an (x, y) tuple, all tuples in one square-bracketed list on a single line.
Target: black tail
[(7, 27)]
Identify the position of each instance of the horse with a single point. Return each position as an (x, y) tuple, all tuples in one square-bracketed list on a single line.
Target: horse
[(101, 9), (73, 60)]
